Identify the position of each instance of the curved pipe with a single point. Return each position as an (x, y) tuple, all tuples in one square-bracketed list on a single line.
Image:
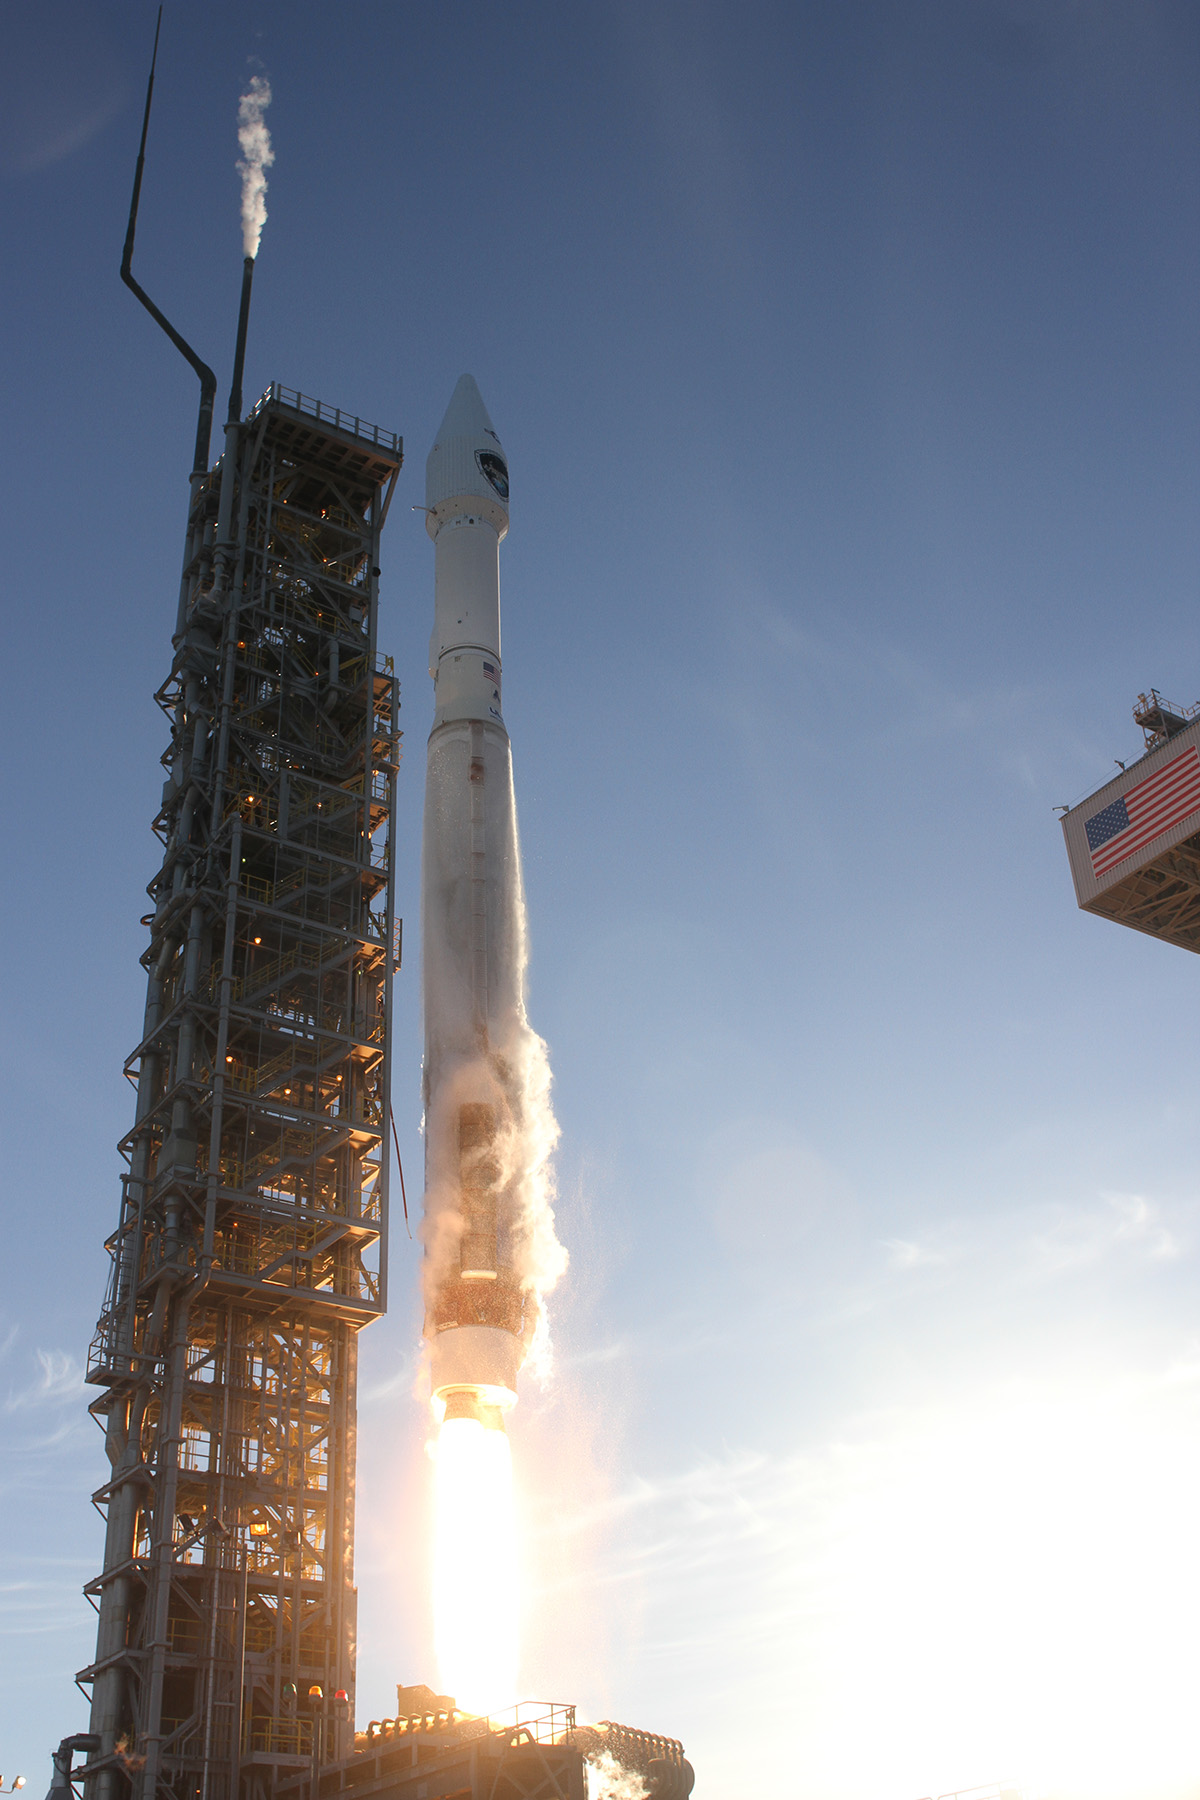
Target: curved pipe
[(208, 381), (60, 1781)]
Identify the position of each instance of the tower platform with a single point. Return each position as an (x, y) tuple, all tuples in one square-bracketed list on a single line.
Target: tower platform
[(1134, 845)]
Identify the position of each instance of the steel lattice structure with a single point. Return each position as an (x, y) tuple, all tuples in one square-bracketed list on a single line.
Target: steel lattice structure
[(251, 1244)]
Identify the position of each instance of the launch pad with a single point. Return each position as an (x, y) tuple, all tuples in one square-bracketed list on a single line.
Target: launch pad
[(535, 1751)]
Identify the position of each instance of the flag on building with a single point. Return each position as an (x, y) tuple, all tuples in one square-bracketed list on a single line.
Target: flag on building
[(1144, 812)]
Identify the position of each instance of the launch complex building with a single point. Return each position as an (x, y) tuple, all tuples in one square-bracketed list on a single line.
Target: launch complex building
[(251, 1241)]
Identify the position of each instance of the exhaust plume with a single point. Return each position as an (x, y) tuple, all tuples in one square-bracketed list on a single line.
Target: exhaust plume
[(256, 158)]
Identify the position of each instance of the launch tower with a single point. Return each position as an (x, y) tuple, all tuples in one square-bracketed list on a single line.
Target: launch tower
[(249, 1249)]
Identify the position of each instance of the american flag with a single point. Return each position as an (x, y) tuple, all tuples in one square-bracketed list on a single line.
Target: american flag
[(489, 670), (1144, 812)]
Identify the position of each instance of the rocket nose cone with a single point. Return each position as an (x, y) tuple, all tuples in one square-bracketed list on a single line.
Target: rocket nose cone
[(467, 459), (466, 415)]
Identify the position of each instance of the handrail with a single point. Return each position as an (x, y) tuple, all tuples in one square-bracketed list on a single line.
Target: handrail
[(546, 1722), (280, 1734), (350, 423)]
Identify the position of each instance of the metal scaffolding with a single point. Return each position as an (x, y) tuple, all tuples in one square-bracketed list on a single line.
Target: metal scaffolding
[(251, 1242)]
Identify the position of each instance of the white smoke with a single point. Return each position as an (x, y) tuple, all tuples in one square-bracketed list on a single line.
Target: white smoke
[(607, 1779), (256, 158), (510, 1071)]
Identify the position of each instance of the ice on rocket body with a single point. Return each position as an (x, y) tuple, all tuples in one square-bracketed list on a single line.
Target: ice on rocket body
[(479, 1316)]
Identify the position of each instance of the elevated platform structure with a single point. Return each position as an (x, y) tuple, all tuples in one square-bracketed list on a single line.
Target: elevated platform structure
[(536, 1751), (250, 1244), (1134, 845)]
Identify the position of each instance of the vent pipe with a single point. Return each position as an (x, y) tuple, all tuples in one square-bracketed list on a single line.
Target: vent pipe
[(208, 381)]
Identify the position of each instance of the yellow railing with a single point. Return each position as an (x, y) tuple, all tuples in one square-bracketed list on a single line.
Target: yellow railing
[(250, 1080), (269, 972), (285, 1737)]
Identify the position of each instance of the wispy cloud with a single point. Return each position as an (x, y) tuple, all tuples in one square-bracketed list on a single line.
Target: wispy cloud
[(50, 1456), (900, 697), (47, 1425), (50, 1603), (674, 61), (788, 1216), (58, 1381), (61, 83), (1127, 1224), (905, 1253)]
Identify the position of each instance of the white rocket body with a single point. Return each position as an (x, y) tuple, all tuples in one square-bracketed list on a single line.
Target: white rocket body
[(466, 515), (479, 1316)]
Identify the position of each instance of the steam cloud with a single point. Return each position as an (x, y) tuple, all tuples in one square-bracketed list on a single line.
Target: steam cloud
[(608, 1779), (256, 158)]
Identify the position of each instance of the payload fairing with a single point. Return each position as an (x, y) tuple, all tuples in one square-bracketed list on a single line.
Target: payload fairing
[(488, 1125)]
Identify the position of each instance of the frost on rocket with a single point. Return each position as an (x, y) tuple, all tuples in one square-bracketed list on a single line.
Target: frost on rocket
[(490, 1128)]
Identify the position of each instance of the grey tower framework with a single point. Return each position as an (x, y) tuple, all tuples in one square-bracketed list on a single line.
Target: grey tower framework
[(250, 1248)]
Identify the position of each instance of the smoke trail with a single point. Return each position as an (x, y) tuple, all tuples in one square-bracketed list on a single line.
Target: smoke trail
[(256, 158)]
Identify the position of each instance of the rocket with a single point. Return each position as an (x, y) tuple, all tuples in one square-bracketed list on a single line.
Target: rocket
[(481, 1306)]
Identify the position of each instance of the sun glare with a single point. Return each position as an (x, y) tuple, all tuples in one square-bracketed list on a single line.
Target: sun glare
[(1018, 1600), (474, 1566)]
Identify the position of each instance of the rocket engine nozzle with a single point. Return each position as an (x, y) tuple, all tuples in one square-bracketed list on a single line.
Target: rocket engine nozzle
[(465, 1403), (481, 1361)]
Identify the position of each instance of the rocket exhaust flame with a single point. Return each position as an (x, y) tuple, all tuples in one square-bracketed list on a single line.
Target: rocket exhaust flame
[(491, 1253), (256, 158), (474, 1567)]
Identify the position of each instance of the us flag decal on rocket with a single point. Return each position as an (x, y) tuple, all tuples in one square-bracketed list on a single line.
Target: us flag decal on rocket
[(1144, 812)]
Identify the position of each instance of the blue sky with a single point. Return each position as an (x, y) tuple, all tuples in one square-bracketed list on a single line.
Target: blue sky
[(844, 355)]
